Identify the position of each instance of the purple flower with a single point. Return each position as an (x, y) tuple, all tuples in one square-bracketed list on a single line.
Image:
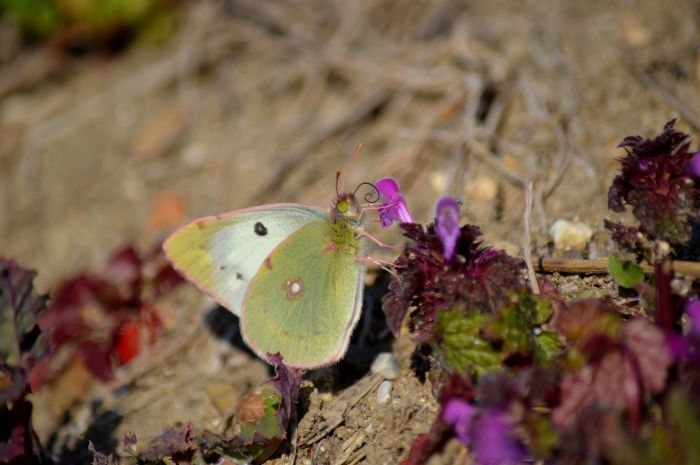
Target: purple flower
[(447, 214), (492, 441), (487, 432), (460, 414), (695, 165), (692, 308), (394, 208)]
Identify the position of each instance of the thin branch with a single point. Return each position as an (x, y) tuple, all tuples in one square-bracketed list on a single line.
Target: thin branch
[(600, 266), (526, 239)]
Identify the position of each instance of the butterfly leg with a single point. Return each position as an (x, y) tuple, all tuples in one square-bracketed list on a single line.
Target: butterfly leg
[(363, 233), (383, 264), (368, 206)]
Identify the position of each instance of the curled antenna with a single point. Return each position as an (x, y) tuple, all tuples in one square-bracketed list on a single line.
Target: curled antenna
[(369, 197)]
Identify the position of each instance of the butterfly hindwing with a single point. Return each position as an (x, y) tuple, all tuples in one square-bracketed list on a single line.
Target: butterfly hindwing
[(304, 300), (222, 253)]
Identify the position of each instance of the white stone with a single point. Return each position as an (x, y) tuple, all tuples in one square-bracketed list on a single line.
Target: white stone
[(384, 392), (385, 364), (569, 235)]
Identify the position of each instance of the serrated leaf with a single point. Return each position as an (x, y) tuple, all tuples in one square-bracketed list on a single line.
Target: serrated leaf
[(625, 273), (688, 426), (261, 419), (516, 325), (513, 328), (619, 373), (256, 415), (176, 443), (20, 305), (653, 358), (547, 347), (586, 317), (98, 458), (544, 438), (656, 183), (459, 344)]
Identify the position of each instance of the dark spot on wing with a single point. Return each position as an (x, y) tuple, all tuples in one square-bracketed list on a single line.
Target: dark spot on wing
[(222, 267), (260, 229), (239, 276)]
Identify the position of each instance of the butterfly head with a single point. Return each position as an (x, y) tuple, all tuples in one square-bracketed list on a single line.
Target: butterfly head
[(346, 206)]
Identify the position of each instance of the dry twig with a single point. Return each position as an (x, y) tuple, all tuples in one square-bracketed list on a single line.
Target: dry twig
[(526, 240)]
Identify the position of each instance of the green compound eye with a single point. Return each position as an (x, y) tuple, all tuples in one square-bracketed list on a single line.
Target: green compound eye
[(343, 207)]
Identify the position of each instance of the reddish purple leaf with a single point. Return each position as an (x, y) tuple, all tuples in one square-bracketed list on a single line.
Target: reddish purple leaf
[(91, 313), (176, 443), (98, 458), (20, 307), (620, 371), (648, 345), (656, 183), (287, 382)]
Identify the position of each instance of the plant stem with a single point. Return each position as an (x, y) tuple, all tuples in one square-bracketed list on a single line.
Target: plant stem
[(665, 315)]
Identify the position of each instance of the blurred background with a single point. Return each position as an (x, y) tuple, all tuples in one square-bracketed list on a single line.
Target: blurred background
[(122, 119)]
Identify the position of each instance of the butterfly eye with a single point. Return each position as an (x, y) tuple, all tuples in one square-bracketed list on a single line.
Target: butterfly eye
[(343, 207)]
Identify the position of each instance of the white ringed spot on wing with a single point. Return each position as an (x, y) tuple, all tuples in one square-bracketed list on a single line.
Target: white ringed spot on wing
[(294, 288)]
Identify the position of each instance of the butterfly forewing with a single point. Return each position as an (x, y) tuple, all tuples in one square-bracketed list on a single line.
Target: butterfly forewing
[(305, 300), (221, 254)]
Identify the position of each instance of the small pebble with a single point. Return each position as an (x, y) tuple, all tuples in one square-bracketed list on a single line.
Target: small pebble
[(384, 392), (569, 235), (385, 364)]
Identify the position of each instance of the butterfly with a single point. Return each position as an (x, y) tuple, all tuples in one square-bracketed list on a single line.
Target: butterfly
[(293, 273)]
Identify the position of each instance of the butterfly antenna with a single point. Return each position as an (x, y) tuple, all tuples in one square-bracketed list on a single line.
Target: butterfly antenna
[(352, 162), (337, 176)]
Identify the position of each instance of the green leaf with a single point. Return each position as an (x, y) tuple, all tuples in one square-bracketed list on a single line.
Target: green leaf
[(459, 344), (544, 438), (688, 426), (20, 306), (536, 308), (513, 328), (547, 347), (264, 421), (625, 273)]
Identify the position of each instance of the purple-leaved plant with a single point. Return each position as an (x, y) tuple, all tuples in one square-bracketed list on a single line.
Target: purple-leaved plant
[(656, 183), (447, 264)]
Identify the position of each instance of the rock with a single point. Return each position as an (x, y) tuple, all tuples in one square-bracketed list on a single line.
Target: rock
[(569, 235), (384, 392), (385, 364)]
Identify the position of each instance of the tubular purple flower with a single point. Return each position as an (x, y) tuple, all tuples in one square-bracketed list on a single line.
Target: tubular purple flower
[(493, 443), (695, 165), (459, 415), (486, 431), (447, 219), (394, 208), (692, 308)]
